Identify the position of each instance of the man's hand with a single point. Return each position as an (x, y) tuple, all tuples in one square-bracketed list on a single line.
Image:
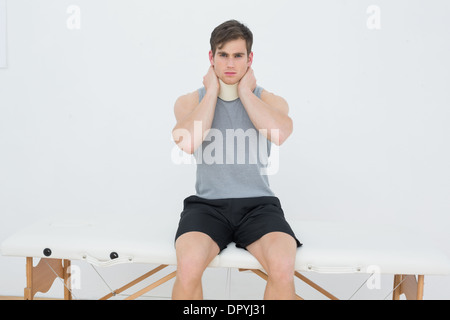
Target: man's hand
[(248, 82), (211, 81), (188, 112), (269, 114)]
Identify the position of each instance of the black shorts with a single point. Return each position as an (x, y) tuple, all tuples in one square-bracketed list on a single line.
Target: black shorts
[(242, 221)]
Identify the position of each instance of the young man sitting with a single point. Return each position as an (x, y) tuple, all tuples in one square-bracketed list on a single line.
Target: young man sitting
[(229, 126)]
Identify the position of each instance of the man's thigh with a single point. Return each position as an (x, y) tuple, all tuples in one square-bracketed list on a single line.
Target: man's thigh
[(265, 217), (201, 216), (276, 249), (196, 250)]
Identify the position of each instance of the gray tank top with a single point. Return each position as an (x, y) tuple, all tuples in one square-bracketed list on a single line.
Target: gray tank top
[(232, 160)]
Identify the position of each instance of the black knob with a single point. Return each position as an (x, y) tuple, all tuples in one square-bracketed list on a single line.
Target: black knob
[(113, 255), (47, 252)]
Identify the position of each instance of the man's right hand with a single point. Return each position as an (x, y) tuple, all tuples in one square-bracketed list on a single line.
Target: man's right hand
[(188, 112), (211, 81)]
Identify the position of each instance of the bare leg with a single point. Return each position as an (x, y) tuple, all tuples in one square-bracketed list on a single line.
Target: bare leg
[(276, 252), (195, 251)]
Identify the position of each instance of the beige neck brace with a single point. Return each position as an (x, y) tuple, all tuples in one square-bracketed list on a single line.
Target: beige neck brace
[(228, 92)]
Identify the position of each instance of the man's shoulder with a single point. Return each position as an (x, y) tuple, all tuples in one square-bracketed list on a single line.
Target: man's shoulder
[(275, 100), (186, 103), (188, 98)]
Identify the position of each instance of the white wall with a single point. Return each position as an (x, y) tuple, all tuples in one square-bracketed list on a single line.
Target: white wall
[(2, 33), (86, 117)]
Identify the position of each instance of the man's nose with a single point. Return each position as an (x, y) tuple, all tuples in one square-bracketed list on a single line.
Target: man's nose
[(230, 62)]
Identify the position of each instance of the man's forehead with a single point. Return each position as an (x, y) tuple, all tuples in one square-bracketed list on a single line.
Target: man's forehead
[(234, 47), (231, 52)]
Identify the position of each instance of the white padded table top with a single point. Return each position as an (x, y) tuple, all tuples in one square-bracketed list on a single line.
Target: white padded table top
[(329, 247)]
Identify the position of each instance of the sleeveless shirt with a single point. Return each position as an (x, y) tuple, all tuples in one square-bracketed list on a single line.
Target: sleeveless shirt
[(232, 160)]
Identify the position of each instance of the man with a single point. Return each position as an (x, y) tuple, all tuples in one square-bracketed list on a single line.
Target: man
[(234, 202)]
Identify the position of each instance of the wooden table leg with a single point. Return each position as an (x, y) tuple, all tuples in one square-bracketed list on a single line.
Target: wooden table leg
[(41, 277)]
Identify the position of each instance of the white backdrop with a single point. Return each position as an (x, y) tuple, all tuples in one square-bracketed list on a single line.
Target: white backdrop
[(86, 113), (2, 33)]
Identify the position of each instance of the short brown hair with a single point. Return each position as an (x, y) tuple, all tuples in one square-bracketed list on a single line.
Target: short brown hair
[(228, 31)]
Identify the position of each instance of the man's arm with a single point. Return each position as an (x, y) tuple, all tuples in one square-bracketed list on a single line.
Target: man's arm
[(188, 111), (270, 114)]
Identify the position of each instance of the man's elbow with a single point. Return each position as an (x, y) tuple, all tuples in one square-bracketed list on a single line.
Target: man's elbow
[(187, 148), (182, 139), (284, 133), (281, 139)]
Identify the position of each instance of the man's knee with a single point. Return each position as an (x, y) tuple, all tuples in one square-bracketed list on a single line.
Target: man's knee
[(194, 253), (281, 262), (190, 270), (281, 270)]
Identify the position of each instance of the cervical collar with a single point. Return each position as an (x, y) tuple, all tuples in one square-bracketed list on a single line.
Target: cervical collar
[(228, 92)]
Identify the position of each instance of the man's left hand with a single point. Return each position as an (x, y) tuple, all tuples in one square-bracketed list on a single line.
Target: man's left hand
[(248, 82)]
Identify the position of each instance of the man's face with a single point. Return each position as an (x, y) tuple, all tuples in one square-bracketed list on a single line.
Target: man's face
[(232, 61)]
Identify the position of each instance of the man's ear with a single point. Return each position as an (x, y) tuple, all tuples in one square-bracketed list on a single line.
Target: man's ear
[(250, 59), (211, 58)]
